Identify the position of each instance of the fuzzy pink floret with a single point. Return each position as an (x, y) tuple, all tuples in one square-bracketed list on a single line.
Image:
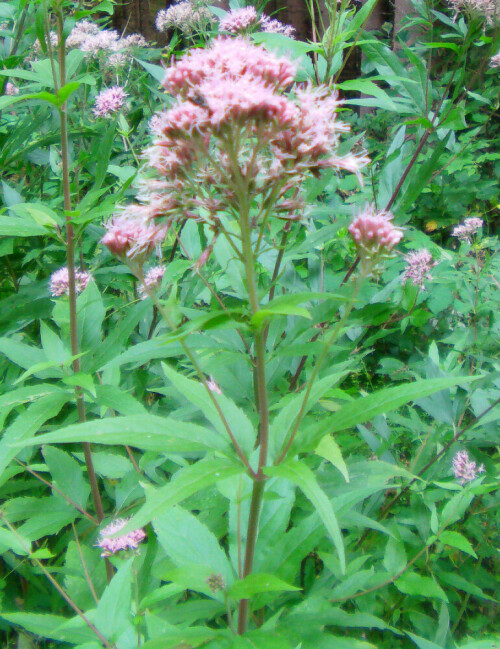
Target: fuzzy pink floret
[(152, 280), (419, 265), (109, 101), (128, 541), (373, 231), (132, 235), (59, 282), (239, 20), (467, 229), (11, 89), (464, 468)]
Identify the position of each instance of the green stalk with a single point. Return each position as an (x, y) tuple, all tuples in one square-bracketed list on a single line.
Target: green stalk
[(263, 407), (70, 262)]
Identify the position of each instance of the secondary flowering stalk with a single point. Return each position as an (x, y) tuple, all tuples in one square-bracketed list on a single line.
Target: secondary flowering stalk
[(70, 262)]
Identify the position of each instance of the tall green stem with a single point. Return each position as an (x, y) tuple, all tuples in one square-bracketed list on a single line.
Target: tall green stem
[(261, 390), (70, 262)]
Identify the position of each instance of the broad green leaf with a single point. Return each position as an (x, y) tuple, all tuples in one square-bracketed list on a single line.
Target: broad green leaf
[(459, 583), (186, 540), (67, 475), (258, 583), (456, 540), (395, 559), (147, 432), (28, 423), (184, 638), (113, 612), (330, 450), (196, 393), (261, 639), (382, 402), (411, 583), (301, 475), (185, 483), (30, 393), (49, 626), (14, 542), (422, 643)]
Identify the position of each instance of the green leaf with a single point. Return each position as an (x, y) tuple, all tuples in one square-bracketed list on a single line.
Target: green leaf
[(67, 90), (422, 643), (10, 541), (147, 432), (330, 450), (186, 540), (384, 401), (67, 475), (258, 583), (288, 305), (196, 393), (51, 626), (395, 559), (456, 540), (113, 612), (184, 638), (28, 423), (412, 583), (459, 583), (185, 483), (301, 475)]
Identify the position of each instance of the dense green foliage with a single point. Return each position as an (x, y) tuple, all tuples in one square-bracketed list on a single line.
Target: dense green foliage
[(365, 538)]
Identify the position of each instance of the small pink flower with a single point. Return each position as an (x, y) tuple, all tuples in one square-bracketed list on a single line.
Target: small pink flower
[(495, 61), (419, 265), (131, 235), (59, 282), (109, 101), (464, 468), (274, 26), (128, 541), (467, 229), (152, 280), (238, 21), (373, 232), (11, 89), (213, 387)]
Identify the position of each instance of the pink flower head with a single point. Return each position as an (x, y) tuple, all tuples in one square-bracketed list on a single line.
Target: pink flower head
[(238, 21), (131, 235), (81, 32), (11, 89), (419, 265), (229, 59), (274, 26), (495, 61), (189, 16), (467, 229), (109, 101), (128, 541), (59, 282), (212, 386), (464, 468), (152, 280), (373, 232)]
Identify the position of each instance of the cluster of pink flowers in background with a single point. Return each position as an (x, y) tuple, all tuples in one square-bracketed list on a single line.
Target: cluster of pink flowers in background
[(87, 37), (495, 61), (11, 89), (466, 230), (240, 21), (189, 16), (464, 468), (128, 541), (419, 265), (109, 101), (59, 282)]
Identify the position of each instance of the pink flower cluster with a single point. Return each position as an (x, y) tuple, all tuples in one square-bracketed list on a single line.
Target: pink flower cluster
[(233, 121), (495, 61), (152, 280), (241, 21), (373, 232), (128, 541), (132, 235), (11, 89), (109, 101), (189, 16), (59, 282), (464, 468), (419, 265), (467, 229)]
